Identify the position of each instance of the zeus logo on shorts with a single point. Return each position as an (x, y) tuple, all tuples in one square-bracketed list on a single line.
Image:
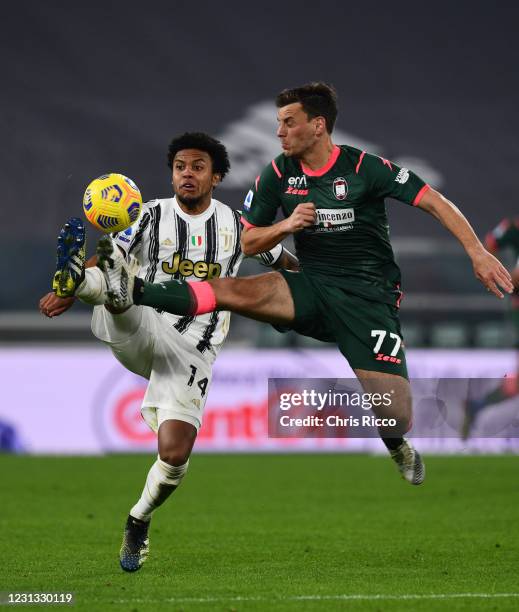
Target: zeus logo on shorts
[(334, 219)]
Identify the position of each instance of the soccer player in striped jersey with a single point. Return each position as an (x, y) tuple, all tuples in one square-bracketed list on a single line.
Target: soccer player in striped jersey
[(189, 236)]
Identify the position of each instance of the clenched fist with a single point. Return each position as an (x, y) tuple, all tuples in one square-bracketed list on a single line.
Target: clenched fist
[(302, 217)]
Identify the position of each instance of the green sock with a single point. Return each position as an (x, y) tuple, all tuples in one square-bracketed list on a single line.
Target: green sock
[(172, 296)]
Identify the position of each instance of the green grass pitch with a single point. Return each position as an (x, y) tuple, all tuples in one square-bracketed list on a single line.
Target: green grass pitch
[(252, 532)]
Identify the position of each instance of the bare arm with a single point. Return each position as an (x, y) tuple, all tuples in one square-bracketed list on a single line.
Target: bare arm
[(487, 268), (256, 240)]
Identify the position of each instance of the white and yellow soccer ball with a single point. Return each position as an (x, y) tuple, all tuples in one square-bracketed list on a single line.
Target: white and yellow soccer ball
[(112, 202)]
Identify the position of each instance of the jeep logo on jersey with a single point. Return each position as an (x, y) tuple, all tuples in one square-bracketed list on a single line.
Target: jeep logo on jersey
[(186, 267), (340, 188), (334, 219)]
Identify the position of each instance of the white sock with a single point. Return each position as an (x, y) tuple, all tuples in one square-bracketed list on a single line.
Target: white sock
[(92, 289), (162, 480)]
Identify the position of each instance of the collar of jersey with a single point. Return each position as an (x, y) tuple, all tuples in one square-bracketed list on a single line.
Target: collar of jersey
[(324, 169), (201, 217)]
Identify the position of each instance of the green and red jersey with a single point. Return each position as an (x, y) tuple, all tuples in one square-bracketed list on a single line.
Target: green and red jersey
[(505, 236), (349, 245)]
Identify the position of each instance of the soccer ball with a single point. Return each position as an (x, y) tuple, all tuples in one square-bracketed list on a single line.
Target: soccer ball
[(112, 202)]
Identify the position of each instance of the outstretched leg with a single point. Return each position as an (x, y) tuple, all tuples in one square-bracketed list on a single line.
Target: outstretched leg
[(265, 297)]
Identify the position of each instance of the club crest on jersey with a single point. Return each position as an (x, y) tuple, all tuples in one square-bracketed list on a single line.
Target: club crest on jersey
[(340, 188), (226, 236), (196, 240)]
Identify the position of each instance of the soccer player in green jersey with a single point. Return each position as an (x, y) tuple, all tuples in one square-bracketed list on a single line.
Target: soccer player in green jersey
[(504, 237), (348, 289)]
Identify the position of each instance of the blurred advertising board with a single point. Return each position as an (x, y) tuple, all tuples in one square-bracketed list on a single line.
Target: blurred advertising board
[(82, 401)]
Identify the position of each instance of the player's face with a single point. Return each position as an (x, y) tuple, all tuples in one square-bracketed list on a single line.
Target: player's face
[(296, 131), (192, 177)]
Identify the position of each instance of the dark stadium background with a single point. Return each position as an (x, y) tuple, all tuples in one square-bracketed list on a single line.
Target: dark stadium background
[(97, 87), (260, 523)]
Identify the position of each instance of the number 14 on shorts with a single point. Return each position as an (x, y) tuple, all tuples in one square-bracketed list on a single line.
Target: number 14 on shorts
[(202, 383), (380, 334)]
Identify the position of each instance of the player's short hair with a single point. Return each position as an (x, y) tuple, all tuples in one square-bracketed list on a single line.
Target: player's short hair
[(318, 99), (203, 142)]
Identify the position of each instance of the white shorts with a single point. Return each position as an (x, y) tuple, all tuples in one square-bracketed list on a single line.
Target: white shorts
[(146, 344)]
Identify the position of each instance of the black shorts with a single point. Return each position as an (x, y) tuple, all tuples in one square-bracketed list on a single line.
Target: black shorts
[(367, 332)]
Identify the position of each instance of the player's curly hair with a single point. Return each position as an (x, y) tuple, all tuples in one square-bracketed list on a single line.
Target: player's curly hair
[(203, 142), (318, 99)]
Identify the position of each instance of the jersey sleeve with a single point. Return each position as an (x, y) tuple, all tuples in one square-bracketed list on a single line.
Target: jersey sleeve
[(263, 200), (270, 258), (130, 240), (504, 235), (384, 179), (267, 258)]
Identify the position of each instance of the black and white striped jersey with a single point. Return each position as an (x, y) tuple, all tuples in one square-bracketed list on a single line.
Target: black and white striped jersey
[(170, 244)]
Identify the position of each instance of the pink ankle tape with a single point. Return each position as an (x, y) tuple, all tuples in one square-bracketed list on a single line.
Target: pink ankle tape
[(205, 297)]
